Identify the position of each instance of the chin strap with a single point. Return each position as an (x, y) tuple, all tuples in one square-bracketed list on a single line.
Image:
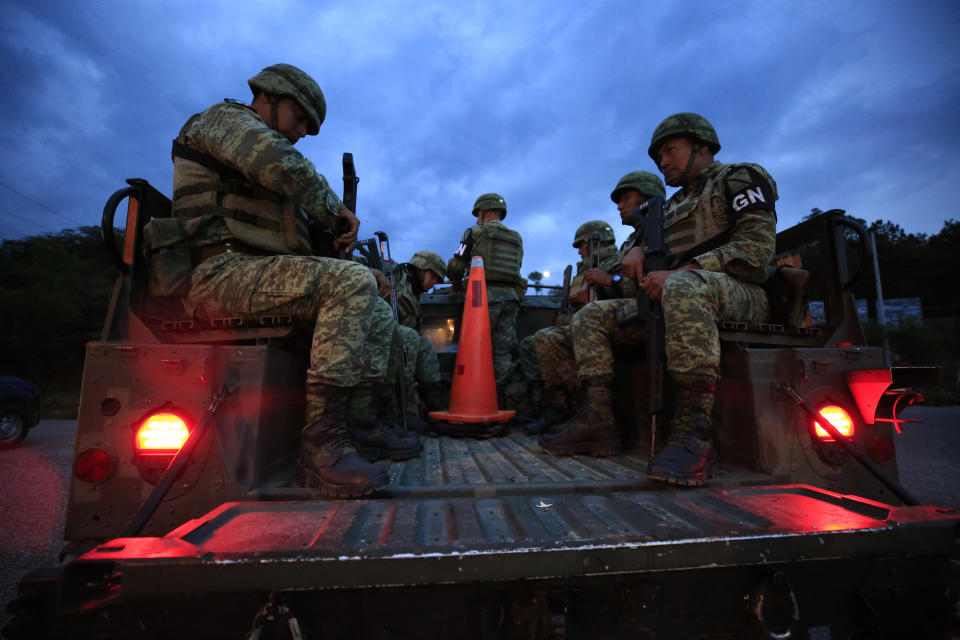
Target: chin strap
[(274, 119), (694, 152)]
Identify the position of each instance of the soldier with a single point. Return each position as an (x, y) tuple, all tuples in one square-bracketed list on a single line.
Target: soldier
[(609, 261), (422, 375), (555, 346), (243, 194), (502, 251), (720, 228)]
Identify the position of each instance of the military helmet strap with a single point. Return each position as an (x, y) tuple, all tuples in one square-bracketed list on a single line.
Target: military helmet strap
[(274, 118), (694, 152)]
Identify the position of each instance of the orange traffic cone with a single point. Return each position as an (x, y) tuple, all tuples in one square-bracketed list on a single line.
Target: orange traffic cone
[(473, 396)]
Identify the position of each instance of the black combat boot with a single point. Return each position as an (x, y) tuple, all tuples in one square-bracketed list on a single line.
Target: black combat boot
[(375, 429), (415, 423), (328, 461), (592, 428), (555, 411), (688, 457)]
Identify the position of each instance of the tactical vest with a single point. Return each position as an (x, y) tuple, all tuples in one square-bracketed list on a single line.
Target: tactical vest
[(502, 251), (705, 212), (203, 187), (633, 240)]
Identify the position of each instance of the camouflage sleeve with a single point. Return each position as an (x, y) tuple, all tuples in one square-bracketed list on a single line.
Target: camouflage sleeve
[(458, 264), (750, 194), (238, 137), (610, 262), (408, 303)]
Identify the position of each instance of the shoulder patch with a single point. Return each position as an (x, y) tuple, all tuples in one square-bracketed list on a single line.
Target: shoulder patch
[(465, 243), (749, 187)]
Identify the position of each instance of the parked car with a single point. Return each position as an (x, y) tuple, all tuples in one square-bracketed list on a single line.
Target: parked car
[(19, 409)]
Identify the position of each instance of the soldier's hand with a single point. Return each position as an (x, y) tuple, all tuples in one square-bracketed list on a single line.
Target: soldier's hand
[(347, 240), (633, 264), (652, 283), (384, 290), (597, 276)]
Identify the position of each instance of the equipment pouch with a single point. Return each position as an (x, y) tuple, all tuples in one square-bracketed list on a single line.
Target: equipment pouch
[(628, 312), (168, 257)]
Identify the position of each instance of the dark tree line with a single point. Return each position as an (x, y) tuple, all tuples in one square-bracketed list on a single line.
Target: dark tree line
[(914, 265), (54, 291)]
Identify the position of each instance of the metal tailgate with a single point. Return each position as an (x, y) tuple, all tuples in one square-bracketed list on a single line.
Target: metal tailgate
[(369, 543)]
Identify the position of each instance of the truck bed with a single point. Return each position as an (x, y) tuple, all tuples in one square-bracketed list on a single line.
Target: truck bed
[(513, 464), (480, 509), (493, 534)]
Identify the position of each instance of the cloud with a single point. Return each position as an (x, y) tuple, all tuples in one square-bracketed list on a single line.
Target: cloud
[(846, 104)]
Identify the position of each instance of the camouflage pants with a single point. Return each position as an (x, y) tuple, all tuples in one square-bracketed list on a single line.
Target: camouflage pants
[(336, 299), (503, 336), (693, 303), (422, 366), (529, 365)]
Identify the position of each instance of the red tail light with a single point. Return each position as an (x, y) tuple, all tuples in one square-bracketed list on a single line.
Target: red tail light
[(93, 465), (162, 433), (840, 420)]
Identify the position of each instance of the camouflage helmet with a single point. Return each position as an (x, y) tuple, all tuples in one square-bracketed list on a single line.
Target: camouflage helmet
[(286, 80), (643, 181), (586, 230), (490, 202), (689, 125), (428, 260)]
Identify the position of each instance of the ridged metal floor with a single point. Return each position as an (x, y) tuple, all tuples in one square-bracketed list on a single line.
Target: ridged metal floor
[(508, 464)]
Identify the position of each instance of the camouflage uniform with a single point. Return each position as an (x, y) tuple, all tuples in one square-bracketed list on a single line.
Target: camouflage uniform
[(243, 194), (502, 251), (726, 288), (422, 369), (529, 359)]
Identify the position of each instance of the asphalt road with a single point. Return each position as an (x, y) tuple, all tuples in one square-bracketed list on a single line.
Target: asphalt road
[(34, 480)]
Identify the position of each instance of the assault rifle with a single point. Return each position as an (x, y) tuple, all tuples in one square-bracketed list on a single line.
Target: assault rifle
[(595, 259), (321, 238), (650, 312), (564, 314), (401, 381)]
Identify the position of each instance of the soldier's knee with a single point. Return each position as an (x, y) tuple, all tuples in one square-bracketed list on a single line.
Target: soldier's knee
[(356, 277), (684, 284)]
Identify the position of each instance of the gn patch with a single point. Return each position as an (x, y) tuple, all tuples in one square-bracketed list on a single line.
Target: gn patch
[(751, 198), (749, 189)]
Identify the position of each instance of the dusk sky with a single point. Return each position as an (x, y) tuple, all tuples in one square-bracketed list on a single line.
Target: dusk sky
[(850, 105)]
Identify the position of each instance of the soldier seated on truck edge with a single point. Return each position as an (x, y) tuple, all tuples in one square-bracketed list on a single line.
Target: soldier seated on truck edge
[(556, 346), (243, 198), (725, 214), (606, 259)]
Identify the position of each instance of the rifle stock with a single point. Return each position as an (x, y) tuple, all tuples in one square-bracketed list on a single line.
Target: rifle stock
[(565, 303), (650, 312), (321, 238), (384, 240), (595, 259)]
